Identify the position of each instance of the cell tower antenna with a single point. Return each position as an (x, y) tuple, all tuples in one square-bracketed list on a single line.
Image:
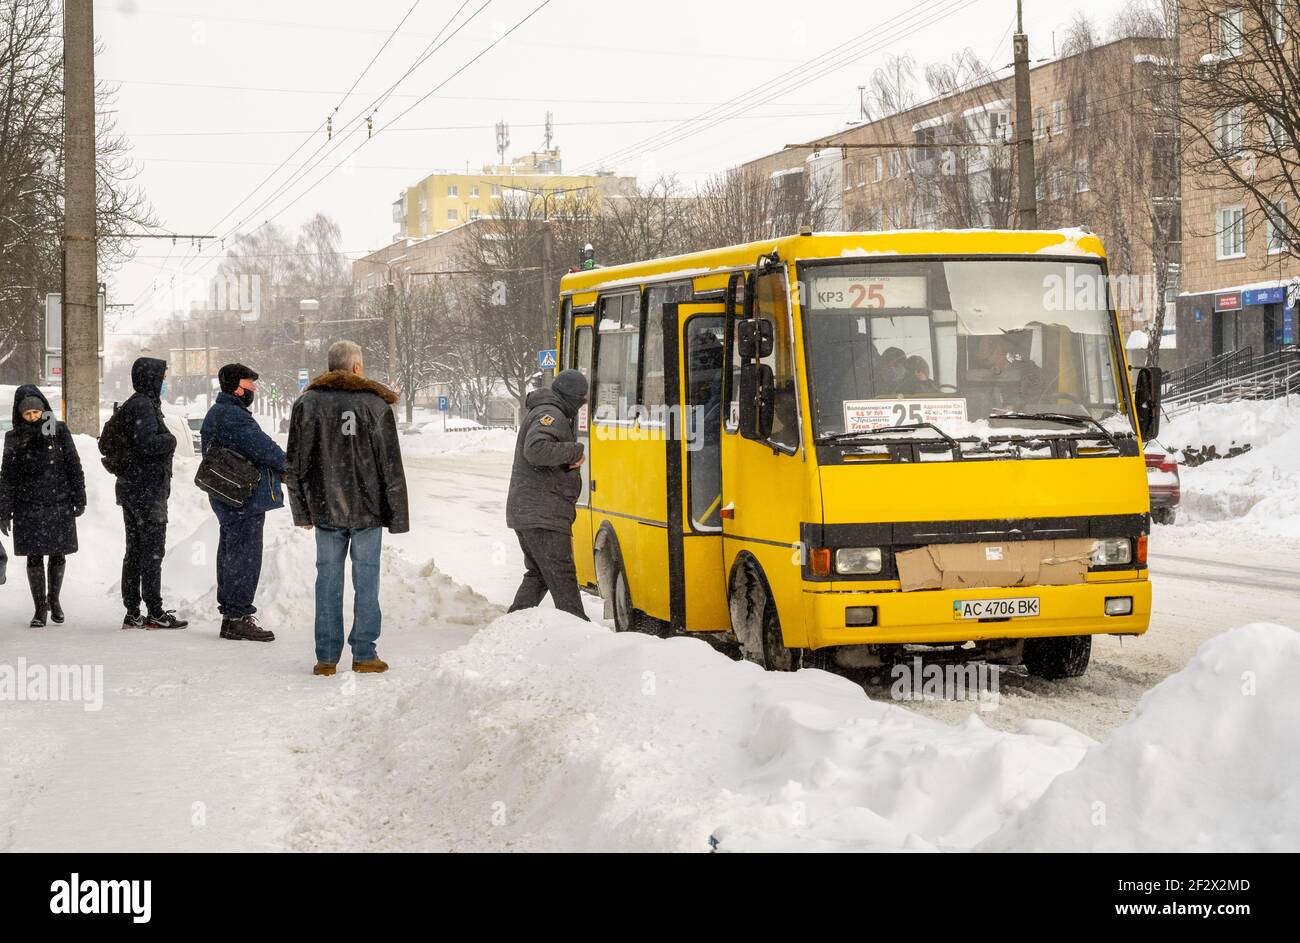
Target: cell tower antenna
[(503, 141), (550, 130)]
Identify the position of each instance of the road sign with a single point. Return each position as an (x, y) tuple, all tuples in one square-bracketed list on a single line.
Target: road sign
[(546, 359), (54, 323), (303, 380), (444, 404)]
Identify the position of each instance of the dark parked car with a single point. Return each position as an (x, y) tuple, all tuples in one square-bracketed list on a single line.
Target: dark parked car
[(1162, 483), (196, 423)]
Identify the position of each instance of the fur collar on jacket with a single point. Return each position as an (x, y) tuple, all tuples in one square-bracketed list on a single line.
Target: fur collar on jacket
[(351, 383)]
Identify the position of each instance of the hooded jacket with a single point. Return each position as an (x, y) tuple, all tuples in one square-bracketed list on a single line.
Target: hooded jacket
[(344, 467), (543, 488), (42, 487), (146, 483), (240, 431)]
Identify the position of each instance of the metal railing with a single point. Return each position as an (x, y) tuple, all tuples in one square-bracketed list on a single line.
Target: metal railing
[(1271, 376)]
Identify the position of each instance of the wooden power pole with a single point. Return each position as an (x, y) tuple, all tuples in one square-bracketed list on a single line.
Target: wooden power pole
[(80, 274), (1026, 185)]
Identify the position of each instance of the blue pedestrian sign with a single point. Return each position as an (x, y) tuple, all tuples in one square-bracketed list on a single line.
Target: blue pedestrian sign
[(444, 404), (303, 379), (546, 359)]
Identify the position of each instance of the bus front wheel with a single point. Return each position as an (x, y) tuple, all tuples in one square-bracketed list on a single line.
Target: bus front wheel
[(757, 626), (1054, 659)]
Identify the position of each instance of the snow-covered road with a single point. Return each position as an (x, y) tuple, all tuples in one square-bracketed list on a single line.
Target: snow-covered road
[(511, 736)]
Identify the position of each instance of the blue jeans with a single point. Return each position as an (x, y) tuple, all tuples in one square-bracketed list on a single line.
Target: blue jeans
[(331, 551)]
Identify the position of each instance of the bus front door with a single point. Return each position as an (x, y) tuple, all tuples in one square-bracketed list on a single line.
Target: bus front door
[(697, 577)]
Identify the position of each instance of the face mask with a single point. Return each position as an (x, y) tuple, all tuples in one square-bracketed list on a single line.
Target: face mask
[(244, 396), (162, 390)]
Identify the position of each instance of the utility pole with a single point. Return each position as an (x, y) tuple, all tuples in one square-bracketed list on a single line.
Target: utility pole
[(207, 365), (1028, 203), (80, 276)]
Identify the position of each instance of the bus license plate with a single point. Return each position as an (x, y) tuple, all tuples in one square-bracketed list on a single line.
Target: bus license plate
[(1022, 607)]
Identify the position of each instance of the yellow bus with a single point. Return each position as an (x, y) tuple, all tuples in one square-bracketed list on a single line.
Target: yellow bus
[(836, 445)]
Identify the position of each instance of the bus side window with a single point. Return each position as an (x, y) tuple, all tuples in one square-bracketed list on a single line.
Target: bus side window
[(772, 302), (616, 367)]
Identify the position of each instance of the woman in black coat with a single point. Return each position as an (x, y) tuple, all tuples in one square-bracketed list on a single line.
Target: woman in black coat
[(42, 493)]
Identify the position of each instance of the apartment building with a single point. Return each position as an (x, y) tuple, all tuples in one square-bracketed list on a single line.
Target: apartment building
[(443, 201), (1240, 283), (949, 162), (417, 259)]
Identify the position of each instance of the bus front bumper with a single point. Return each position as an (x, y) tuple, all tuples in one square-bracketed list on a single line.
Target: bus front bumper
[(929, 615)]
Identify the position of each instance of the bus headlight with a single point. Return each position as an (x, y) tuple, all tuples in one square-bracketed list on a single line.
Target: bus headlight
[(1110, 551), (856, 561)]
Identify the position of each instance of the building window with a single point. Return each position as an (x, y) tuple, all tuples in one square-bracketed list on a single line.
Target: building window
[(1230, 33), (1058, 184), (849, 178), (1230, 228), (474, 214), (473, 193), (1082, 110), (496, 191), (1040, 192), (453, 190), (1040, 122), (453, 215), (862, 173), (1081, 184), (1276, 136), (1227, 131), (1058, 117), (880, 168), (1276, 227)]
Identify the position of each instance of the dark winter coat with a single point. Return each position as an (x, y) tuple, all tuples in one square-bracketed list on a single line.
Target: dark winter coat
[(543, 489), (42, 488), (344, 467), (146, 483), (241, 432)]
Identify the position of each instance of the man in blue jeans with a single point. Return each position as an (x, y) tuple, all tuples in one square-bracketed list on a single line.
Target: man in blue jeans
[(345, 479)]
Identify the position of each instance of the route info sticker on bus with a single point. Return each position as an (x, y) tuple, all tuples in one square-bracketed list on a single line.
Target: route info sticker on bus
[(881, 291), (863, 415)]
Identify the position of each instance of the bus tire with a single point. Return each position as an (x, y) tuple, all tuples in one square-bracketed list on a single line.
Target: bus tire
[(1163, 515), (628, 618), (756, 624), (1054, 659)]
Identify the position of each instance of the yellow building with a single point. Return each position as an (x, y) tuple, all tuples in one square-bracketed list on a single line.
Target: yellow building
[(443, 201)]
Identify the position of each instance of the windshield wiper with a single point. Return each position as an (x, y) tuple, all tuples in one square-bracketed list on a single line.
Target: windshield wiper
[(1067, 418), (835, 437)]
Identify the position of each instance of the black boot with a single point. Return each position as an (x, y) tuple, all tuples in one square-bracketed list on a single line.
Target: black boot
[(56, 583), (36, 579), (246, 629)]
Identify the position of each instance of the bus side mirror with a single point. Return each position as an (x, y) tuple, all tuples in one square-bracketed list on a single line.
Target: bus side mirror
[(1146, 399), (755, 339), (756, 401)]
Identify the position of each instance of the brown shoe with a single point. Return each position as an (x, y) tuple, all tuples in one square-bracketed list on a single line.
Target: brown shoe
[(373, 666), (323, 668)]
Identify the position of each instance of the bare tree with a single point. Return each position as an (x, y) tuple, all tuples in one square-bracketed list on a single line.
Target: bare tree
[(1240, 110), (417, 311), (31, 179)]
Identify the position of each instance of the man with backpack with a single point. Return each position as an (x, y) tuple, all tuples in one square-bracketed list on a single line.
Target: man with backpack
[(138, 448), (229, 424)]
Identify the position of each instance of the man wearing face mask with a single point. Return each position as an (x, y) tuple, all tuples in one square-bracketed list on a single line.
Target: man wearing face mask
[(230, 423), (544, 488)]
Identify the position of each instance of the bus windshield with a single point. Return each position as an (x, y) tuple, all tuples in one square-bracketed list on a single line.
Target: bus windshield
[(956, 342)]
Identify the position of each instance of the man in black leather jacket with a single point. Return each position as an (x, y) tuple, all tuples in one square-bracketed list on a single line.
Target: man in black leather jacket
[(345, 478)]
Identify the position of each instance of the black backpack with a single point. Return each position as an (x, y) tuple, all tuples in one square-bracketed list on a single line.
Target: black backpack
[(226, 475), (115, 443)]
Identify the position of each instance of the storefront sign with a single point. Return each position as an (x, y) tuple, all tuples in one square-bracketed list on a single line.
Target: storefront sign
[(1228, 301), (1263, 296)]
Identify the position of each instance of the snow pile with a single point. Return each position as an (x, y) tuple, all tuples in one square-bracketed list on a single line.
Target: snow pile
[(1208, 762), (1258, 490), (433, 441), (543, 732)]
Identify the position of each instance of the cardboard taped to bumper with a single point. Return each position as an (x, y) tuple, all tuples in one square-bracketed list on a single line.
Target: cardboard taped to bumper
[(1015, 563)]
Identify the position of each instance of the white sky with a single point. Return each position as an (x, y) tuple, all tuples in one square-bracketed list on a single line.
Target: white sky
[(214, 101)]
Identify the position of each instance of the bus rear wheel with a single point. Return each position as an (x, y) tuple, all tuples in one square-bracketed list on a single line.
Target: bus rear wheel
[(627, 618), (1054, 659)]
